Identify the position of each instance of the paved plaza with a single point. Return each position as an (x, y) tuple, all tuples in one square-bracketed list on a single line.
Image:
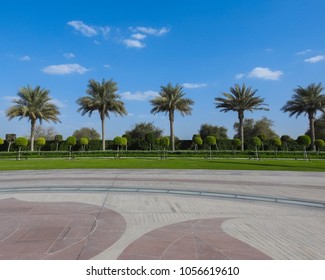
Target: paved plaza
[(162, 214)]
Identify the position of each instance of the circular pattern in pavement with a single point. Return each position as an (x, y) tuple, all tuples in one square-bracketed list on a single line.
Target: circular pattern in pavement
[(57, 230), (201, 239)]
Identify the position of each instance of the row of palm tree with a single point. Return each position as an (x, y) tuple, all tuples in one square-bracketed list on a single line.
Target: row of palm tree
[(35, 104)]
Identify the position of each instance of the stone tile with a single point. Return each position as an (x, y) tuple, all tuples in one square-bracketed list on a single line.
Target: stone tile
[(206, 242), (55, 230)]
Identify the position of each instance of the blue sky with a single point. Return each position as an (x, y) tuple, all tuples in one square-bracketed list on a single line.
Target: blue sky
[(206, 46)]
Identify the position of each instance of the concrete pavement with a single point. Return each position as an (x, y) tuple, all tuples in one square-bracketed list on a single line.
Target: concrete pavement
[(119, 219)]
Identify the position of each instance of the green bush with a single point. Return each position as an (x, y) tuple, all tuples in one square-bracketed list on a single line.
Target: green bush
[(304, 140), (319, 143), (124, 141), (71, 140), (164, 142), (197, 139), (256, 142), (40, 142), (236, 143), (21, 142), (211, 140), (83, 142), (276, 142)]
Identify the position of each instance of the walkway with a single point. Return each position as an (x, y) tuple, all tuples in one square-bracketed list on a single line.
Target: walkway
[(161, 214)]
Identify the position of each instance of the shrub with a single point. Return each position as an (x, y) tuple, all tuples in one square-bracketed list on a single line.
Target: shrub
[(124, 141), (304, 140), (83, 142), (211, 140), (319, 143), (236, 143), (40, 142), (118, 140), (256, 142), (58, 138), (21, 142), (10, 138), (71, 140), (164, 142), (276, 142), (197, 140)]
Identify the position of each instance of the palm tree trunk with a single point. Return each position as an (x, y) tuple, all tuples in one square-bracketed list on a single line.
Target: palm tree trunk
[(312, 130), (241, 128), (32, 134), (171, 124), (103, 131)]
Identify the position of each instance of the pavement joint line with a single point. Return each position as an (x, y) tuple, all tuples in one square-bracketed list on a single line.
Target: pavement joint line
[(296, 202)]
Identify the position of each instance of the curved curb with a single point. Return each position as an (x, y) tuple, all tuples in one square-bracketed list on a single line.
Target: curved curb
[(100, 189)]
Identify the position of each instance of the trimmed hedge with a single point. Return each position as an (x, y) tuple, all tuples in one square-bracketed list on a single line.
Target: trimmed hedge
[(160, 153)]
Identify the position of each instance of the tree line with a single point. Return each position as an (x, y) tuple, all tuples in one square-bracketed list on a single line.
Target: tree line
[(35, 105)]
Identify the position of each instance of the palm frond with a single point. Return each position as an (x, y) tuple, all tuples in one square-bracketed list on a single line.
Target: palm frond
[(170, 99), (307, 100), (102, 97), (240, 98), (33, 104)]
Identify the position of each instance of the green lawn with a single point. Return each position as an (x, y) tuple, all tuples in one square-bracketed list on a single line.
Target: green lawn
[(169, 163)]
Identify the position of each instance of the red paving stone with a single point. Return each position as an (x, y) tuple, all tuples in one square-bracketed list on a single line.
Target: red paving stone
[(201, 239), (70, 230), (61, 230)]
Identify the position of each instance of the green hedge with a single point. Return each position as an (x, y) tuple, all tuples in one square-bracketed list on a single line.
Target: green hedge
[(160, 153)]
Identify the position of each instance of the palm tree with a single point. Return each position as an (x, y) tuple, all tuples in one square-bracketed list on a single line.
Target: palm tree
[(171, 99), (307, 100), (240, 99), (102, 97), (33, 104)]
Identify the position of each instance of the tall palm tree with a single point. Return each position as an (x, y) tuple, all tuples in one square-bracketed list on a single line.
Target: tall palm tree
[(171, 99), (102, 97), (240, 99), (307, 100), (33, 104)]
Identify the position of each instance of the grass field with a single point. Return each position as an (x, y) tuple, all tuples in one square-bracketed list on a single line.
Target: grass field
[(169, 163)]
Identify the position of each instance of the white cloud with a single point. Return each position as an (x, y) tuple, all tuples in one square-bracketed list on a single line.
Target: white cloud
[(152, 31), (131, 43), (265, 74), (193, 85), (63, 69), (315, 59), (138, 36), (303, 52), (84, 29), (9, 99), (25, 58), (240, 76), (68, 55), (107, 66), (58, 103), (105, 30), (139, 96)]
